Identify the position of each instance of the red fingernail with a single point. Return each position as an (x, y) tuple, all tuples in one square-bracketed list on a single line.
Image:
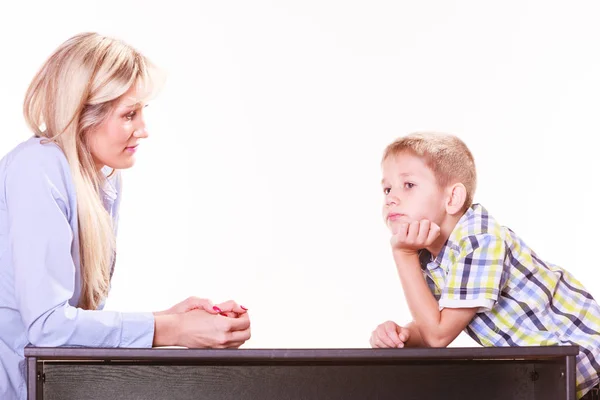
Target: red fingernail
[(244, 308), (217, 309), (223, 314)]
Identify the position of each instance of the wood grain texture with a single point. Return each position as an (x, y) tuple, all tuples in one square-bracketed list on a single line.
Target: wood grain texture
[(123, 381), (550, 381)]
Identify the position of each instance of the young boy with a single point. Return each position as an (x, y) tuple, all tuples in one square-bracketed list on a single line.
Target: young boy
[(461, 270)]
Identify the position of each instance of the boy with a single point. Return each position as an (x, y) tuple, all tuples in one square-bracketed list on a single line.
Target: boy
[(461, 270)]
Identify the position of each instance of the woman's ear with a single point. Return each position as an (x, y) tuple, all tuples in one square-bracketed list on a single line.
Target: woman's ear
[(457, 195)]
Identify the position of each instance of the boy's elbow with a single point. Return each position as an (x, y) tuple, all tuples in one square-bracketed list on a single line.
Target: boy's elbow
[(436, 341)]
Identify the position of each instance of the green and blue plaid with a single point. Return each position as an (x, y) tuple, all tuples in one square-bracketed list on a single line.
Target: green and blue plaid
[(522, 300)]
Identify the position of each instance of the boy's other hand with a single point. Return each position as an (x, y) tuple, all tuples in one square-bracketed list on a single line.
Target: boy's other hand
[(389, 335), (414, 236)]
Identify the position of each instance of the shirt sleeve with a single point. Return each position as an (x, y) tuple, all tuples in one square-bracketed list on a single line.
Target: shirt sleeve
[(474, 274), (40, 240)]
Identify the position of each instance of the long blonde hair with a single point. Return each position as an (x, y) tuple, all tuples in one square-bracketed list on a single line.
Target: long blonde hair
[(75, 91)]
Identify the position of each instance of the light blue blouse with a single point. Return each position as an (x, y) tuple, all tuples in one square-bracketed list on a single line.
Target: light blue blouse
[(39, 266)]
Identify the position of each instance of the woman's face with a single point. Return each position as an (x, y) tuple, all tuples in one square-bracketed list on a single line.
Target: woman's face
[(115, 141)]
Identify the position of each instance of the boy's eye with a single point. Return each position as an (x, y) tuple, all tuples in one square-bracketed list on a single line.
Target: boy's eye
[(386, 190), (409, 185)]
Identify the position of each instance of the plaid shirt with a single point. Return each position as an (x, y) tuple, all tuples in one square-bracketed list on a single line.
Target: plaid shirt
[(522, 300)]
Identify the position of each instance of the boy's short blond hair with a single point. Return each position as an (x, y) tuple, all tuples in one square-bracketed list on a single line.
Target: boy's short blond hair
[(446, 155)]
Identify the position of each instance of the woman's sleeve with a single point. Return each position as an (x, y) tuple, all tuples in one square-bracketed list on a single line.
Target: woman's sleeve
[(40, 240)]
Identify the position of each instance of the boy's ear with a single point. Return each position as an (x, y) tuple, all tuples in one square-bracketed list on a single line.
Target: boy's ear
[(457, 195)]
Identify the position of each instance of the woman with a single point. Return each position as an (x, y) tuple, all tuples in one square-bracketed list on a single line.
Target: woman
[(58, 215)]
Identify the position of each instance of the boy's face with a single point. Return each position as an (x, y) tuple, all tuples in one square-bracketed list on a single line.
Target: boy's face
[(411, 192)]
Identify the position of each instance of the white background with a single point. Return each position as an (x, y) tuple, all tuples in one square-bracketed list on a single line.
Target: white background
[(260, 180)]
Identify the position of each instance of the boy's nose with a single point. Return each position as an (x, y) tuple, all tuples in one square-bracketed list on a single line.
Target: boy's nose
[(391, 200)]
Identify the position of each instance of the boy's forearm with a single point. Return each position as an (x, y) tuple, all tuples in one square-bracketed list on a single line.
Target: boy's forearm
[(414, 339), (422, 305)]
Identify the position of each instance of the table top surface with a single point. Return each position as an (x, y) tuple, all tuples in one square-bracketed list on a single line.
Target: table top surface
[(343, 355)]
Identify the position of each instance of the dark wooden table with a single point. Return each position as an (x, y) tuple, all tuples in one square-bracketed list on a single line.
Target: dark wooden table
[(180, 374)]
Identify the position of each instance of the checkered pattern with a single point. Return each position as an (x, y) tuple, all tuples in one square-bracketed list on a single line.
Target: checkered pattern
[(522, 300)]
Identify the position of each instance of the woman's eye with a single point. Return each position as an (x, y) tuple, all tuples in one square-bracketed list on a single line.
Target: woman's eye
[(409, 185), (130, 115), (386, 191)]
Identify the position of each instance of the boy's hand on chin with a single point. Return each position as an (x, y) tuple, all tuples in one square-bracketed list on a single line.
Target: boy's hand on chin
[(412, 237)]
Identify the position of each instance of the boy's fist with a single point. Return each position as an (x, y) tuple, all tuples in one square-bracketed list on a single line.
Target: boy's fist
[(389, 335), (415, 236)]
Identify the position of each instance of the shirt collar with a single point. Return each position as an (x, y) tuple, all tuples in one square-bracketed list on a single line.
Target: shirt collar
[(468, 224), (109, 191)]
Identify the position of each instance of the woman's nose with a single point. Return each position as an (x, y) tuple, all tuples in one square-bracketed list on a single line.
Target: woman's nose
[(141, 133)]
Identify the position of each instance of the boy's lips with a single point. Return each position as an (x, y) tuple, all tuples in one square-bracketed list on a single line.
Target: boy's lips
[(394, 216)]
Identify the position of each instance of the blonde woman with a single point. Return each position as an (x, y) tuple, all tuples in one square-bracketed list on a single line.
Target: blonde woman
[(59, 206)]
